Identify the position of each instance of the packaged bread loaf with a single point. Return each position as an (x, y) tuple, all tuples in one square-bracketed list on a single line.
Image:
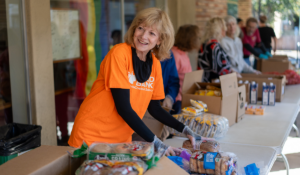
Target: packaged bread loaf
[(205, 146), (106, 167), (192, 110), (199, 104), (121, 151), (213, 163), (205, 124)]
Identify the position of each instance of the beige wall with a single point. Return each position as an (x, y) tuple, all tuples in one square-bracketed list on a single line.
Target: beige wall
[(245, 9), (41, 67), (182, 12)]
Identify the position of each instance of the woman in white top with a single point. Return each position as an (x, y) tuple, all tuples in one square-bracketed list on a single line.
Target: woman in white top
[(233, 46)]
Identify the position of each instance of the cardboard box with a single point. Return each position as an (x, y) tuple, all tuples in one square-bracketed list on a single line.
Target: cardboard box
[(278, 63), (241, 101), (247, 93), (54, 160), (225, 106), (278, 80), (154, 125)]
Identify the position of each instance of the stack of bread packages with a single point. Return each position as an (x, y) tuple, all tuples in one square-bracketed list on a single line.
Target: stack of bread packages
[(118, 159), (204, 124), (207, 158)]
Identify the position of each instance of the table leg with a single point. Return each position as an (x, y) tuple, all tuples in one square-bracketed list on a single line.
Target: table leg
[(296, 129), (286, 163)]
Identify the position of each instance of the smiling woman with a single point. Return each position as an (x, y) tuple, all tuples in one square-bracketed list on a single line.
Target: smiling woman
[(130, 82)]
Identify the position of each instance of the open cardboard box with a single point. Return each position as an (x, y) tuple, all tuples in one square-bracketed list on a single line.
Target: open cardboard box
[(241, 102), (225, 106), (278, 80), (278, 63), (54, 160)]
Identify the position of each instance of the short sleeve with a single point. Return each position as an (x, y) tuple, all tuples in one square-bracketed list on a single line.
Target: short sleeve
[(257, 36), (272, 32), (115, 70), (158, 91)]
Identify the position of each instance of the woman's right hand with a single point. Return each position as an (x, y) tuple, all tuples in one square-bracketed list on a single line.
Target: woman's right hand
[(171, 151)]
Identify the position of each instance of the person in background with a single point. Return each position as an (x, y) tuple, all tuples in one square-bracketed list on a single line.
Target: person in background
[(233, 47), (240, 23), (252, 39), (116, 37), (186, 39), (212, 58), (266, 34), (171, 81)]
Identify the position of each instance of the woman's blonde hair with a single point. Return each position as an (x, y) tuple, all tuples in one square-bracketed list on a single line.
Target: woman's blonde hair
[(213, 29), (154, 17), (187, 38), (228, 19)]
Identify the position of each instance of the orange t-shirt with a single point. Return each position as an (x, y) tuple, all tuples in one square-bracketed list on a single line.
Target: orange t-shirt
[(98, 119)]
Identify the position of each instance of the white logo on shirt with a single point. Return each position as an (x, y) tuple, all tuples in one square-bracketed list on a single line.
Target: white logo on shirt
[(146, 86), (131, 77)]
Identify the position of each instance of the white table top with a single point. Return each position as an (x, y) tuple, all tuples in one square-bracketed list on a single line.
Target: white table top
[(246, 154), (270, 130), (292, 94)]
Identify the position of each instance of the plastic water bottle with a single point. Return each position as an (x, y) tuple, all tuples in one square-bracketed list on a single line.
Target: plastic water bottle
[(253, 92), (265, 94), (272, 94)]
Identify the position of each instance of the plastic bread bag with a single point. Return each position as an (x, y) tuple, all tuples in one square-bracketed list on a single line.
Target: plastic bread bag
[(106, 167), (208, 126), (197, 163), (128, 168), (121, 151), (201, 92), (213, 163), (188, 145), (210, 146), (214, 93), (94, 167), (202, 126), (228, 163), (222, 127), (192, 110), (199, 104), (196, 124), (215, 125)]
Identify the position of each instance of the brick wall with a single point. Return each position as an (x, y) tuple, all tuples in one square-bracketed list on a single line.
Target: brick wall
[(244, 9), (206, 9)]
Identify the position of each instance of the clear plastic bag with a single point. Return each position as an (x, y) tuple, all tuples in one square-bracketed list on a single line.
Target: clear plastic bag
[(121, 151), (203, 145), (205, 124), (107, 167), (213, 163)]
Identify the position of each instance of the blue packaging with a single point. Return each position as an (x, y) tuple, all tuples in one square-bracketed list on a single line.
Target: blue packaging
[(272, 94), (265, 94), (209, 160), (253, 92)]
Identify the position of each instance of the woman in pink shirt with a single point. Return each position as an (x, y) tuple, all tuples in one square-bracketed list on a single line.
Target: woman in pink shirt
[(186, 39)]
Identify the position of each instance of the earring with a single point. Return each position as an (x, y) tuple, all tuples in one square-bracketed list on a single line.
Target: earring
[(157, 46)]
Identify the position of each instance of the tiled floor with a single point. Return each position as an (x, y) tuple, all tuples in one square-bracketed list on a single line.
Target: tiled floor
[(292, 151)]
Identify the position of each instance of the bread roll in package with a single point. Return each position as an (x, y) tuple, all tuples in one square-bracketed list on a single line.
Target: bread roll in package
[(202, 145), (205, 124), (213, 163), (121, 151), (107, 167)]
